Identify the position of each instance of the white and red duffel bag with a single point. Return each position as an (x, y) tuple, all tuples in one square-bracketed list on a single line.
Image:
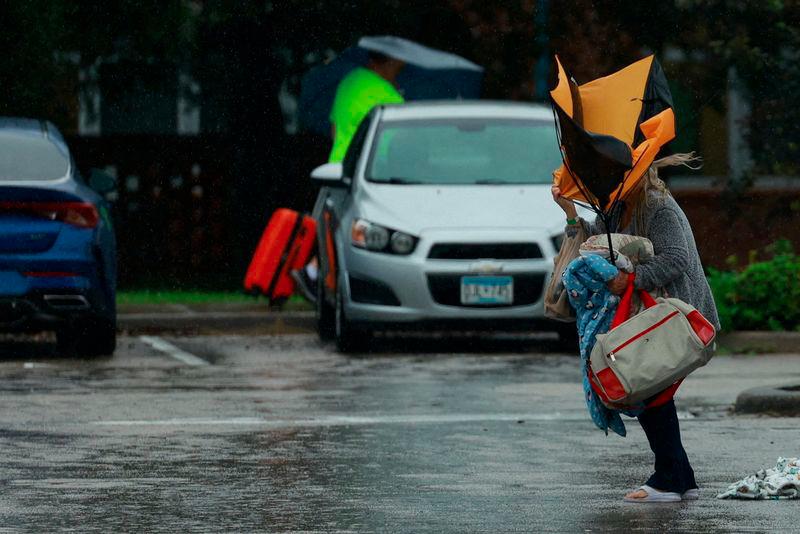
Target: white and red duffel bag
[(644, 358)]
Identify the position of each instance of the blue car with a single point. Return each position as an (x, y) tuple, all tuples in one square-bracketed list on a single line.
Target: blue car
[(57, 244)]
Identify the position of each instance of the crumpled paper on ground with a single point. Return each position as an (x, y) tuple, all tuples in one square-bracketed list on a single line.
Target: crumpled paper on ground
[(782, 482)]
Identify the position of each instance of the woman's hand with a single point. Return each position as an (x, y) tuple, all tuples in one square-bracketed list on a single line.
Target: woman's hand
[(565, 203), (618, 284)]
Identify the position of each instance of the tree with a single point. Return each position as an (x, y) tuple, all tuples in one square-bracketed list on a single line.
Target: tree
[(52, 40), (761, 40)]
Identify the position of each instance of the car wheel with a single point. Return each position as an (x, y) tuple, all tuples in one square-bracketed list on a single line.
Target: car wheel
[(95, 338), (568, 337), (326, 314), (348, 338)]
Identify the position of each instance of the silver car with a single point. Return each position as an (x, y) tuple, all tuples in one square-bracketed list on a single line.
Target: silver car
[(439, 216)]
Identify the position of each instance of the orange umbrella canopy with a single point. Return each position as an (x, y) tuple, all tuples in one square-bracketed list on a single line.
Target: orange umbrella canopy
[(611, 130)]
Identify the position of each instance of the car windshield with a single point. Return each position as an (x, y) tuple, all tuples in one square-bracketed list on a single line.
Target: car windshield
[(489, 151), (26, 158)]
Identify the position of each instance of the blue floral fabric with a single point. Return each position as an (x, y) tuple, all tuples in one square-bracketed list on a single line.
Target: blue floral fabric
[(585, 280)]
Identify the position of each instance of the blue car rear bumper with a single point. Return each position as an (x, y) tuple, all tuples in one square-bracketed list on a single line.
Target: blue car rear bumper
[(55, 288)]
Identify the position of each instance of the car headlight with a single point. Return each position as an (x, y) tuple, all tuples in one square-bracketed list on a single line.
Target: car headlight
[(557, 240), (402, 243), (377, 238)]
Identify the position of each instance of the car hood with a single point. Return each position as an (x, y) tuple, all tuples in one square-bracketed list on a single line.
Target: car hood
[(416, 208)]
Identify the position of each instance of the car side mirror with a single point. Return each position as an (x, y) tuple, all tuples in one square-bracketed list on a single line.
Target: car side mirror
[(101, 181), (330, 175)]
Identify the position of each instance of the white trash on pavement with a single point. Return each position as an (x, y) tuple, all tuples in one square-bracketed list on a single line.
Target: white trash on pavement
[(780, 482)]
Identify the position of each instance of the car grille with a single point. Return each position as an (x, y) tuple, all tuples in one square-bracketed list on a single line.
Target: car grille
[(485, 251), (446, 289)]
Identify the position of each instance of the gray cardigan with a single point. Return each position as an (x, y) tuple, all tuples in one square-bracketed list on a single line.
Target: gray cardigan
[(676, 264)]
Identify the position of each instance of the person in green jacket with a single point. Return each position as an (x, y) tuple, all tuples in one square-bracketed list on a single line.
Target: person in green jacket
[(358, 92), (361, 90)]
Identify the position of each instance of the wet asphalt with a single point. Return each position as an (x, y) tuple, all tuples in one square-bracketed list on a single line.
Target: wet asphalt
[(282, 434)]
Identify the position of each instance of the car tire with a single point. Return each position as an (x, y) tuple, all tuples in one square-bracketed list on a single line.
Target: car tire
[(92, 339), (348, 337), (325, 314), (568, 338)]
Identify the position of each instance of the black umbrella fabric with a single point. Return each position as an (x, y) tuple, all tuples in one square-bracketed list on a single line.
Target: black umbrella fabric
[(429, 74)]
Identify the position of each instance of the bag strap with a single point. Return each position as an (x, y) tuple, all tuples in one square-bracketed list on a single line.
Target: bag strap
[(647, 299), (663, 397), (625, 304)]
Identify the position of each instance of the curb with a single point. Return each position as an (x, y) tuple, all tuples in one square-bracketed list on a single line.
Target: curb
[(760, 342), (778, 401), (218, 322), (248, 319)]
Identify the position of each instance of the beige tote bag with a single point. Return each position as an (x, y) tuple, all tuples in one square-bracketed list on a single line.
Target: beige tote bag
[(649, 352), (556, 301)]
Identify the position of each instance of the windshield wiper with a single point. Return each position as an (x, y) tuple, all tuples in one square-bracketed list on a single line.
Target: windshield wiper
[(397, 180)]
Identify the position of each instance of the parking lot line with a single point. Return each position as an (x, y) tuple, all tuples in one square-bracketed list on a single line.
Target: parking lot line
[(353, 420), (367, 420), (168, 348)]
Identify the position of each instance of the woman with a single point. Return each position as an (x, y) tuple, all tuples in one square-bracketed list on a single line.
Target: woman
[(651, 212)]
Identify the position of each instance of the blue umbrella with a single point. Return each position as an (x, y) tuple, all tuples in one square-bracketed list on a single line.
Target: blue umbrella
[(429, 74)]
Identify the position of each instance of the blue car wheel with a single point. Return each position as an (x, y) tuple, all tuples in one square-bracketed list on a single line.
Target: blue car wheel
[(92, 338)]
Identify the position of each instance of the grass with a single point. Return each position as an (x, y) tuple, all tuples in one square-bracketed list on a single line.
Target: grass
[(181, 297), (145, 297)]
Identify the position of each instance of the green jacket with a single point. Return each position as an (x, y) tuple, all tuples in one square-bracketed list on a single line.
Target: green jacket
[(358, 92)]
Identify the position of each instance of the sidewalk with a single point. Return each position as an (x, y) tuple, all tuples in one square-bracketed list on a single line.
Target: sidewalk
[(244, 317), (220, 318)]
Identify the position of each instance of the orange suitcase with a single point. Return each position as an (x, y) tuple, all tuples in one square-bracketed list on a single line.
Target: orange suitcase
[(286, 244)]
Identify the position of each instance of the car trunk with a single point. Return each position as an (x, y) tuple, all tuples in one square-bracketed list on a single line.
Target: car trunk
[(24, 234), (29, 218)]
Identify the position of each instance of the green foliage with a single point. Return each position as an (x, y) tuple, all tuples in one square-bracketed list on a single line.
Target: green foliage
[(181, 297), (723, 287), (765, 295)]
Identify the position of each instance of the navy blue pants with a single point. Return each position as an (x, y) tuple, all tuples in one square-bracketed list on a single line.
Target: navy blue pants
[(673, 472)]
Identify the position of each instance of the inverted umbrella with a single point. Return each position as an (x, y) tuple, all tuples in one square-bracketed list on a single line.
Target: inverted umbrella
[(610, 131), (429, 74)]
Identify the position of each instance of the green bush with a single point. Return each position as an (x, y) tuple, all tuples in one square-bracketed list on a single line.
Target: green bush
[(764, 295), (723, 284)]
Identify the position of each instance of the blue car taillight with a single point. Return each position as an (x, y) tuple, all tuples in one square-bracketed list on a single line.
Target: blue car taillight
[(49, 274)]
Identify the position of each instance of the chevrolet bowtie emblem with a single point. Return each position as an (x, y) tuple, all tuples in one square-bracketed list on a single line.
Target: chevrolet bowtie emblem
[(485, 267)]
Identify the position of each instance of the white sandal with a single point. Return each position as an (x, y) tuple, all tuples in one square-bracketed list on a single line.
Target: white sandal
[(653, 495), (691, 495)]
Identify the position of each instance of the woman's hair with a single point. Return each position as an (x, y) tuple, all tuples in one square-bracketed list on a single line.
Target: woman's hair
[(653, 190)]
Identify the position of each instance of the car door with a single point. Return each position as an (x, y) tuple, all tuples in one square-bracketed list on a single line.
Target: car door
[(332, 203)]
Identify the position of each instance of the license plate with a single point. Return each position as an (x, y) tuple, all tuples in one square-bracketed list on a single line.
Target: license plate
[(487, 290)]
